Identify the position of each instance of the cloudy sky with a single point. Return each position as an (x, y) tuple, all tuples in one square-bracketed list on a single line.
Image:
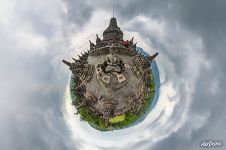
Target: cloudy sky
[(35, 36)]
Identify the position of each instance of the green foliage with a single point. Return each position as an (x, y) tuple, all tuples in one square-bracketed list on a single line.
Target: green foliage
[(91, 119), (117, 119), (131, 118), (99, 123)]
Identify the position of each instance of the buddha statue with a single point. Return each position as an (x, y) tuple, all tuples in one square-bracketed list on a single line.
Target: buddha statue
[(113, 62)]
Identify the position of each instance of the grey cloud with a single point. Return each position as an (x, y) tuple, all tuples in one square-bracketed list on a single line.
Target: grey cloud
[(31, 86), (203, 104), (30, 111), (79, 12), (207, 20), (31, 100)]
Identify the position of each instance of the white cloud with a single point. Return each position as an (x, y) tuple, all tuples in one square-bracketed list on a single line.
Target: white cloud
[(171, 110), (36, 35)]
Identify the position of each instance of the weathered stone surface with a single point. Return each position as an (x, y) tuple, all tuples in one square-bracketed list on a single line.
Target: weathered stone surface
[(112, 78)]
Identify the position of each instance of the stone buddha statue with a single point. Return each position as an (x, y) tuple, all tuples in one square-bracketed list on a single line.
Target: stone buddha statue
[(113, 62)]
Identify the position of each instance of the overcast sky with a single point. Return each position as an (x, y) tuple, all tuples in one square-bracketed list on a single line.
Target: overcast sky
[(35, 36)]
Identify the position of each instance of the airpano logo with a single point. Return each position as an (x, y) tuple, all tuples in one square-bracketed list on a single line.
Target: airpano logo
[(211, 143)]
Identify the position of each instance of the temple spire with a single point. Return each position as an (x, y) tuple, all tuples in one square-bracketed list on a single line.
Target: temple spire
[(153, 56), (113, 31), (67, 63)]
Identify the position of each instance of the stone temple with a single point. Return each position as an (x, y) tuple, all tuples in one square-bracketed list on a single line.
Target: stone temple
[(113, 77)]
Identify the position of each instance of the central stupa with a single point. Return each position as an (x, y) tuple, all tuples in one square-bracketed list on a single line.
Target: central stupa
[(112, 84)]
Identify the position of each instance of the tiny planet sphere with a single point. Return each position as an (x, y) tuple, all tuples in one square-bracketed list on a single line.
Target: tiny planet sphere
[(112, 84)]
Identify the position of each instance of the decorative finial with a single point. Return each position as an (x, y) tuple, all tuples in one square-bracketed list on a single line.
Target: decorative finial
[(67, 63), (153, 56)]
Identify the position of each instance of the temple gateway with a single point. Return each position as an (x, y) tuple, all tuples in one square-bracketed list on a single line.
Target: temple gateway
[(111, 83)]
